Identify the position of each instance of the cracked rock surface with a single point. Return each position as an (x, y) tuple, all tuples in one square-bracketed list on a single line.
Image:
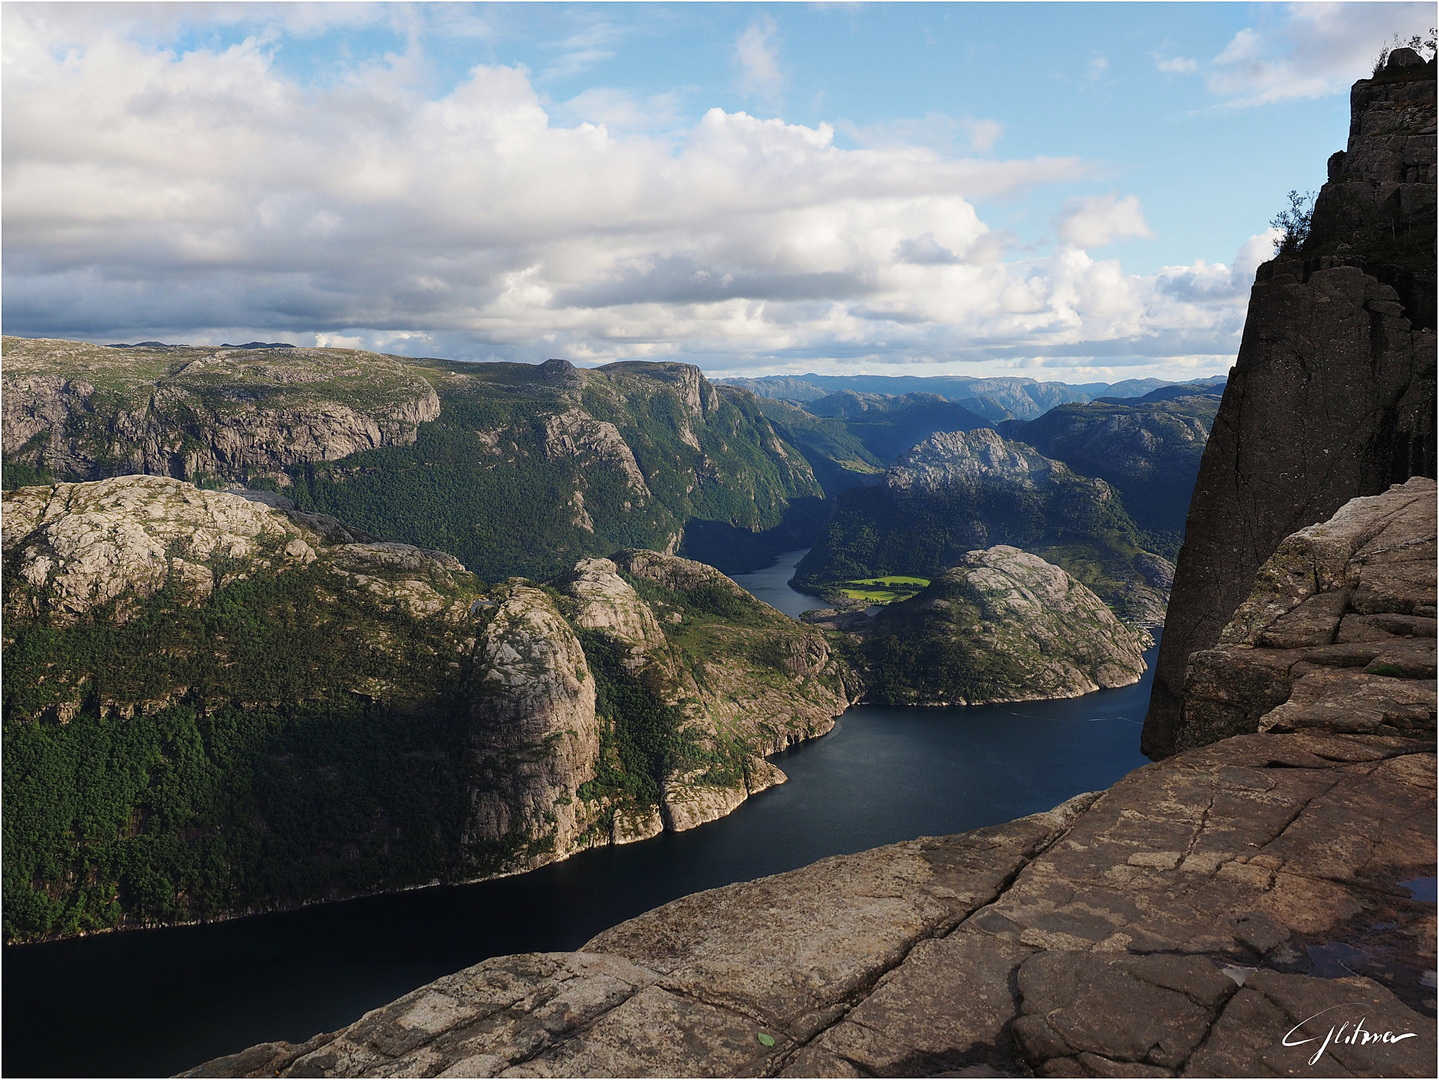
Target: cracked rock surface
[(1185, 922), (1337, 634)]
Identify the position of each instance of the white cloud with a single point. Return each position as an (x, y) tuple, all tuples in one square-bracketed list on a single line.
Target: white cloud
[(205, 196), (982, 134), (1176, 65), (1097, 70), (1310, 51), (758, 56), (1093, 221), (934, 129)]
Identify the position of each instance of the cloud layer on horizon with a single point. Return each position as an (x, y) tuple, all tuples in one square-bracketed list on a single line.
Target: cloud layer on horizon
[(202, 194)]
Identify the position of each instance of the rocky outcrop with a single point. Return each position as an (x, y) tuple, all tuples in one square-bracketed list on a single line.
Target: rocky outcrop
[(1002, 625), (1196, 919), (1338, 633), (73, 548), (89, 411), (961, 491), (534, 734), (1332, 395), (1381, 190), (606, 602), (743, 680), (980, 457)]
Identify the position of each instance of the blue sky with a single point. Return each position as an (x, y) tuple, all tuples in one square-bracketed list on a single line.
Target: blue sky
[(1071, 191)]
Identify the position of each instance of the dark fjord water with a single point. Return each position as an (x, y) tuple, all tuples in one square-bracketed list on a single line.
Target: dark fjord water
[(154, 1002)]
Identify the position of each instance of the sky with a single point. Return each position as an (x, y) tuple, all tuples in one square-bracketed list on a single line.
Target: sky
[(1077, 192)]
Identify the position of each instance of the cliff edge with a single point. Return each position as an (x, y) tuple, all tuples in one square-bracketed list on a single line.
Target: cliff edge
[(1199, 918), (1332, 394)]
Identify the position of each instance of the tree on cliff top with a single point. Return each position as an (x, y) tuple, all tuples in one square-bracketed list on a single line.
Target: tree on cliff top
[(1293, 223)]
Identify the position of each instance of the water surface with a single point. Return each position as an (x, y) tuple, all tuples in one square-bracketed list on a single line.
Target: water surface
[(772, 585), (156, 1002)]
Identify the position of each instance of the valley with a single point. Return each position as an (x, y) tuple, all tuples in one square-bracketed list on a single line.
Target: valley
[(283, 665)]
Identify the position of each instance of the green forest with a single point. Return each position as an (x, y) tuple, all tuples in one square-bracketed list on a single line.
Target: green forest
[(222, 756)]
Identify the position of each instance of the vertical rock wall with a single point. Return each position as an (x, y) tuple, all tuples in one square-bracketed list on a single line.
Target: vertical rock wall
[(1332, 394)]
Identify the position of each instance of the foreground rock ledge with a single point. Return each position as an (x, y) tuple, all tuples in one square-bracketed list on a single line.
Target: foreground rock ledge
[(1181, 923)]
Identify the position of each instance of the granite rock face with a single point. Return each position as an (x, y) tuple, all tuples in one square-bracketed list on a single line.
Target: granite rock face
[(94, 411), (534, 734), (745, 680), (1002, 625), (1187, 922), (78, 547), (1332, 395), (495, 686), (1338, 633), (1385, 180)]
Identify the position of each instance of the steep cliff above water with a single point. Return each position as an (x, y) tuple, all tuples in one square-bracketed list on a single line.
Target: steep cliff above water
[(1337, 634), (1333, 392), (1225, 912), (1181, 923), (216, 704), (514, 468), (961, 491)]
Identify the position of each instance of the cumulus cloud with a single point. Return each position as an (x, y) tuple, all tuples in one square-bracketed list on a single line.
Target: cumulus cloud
[(203, 195), (1311, 50), (1093, 221)]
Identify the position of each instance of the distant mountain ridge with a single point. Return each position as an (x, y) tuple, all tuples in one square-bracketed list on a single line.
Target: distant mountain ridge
[(994, 398), (1148, 448)]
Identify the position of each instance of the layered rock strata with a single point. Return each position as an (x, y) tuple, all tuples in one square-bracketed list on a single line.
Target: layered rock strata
[(1338, 633), (92, 411), (1332, 394), (1192, 920)]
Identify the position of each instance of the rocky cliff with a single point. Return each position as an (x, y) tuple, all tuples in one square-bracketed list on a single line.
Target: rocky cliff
[(1001, 625), (88, 411), (1332, 394), (1260, 906), (514, 468), (961, 491), (217, 704)]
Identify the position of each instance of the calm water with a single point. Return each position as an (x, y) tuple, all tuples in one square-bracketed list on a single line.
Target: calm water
[(155, 1002), (772, 585)]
